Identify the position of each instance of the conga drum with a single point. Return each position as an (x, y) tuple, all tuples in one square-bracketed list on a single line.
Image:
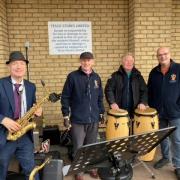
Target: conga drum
[(145, 121), (117, 124)]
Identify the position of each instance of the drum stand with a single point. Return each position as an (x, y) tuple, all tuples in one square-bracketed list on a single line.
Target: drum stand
[(140, 162)]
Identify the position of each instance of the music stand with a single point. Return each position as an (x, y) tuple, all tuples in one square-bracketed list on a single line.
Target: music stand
[(117, 154)]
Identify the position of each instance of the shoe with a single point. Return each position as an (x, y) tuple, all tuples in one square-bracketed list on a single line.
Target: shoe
[(177, 172), (162, 162), (93, 173), (79, 177)]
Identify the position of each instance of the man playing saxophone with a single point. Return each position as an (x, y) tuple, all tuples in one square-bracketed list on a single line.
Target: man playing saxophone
[(17, 96)]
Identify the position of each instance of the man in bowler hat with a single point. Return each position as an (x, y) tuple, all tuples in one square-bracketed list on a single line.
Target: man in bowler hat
[(17, 96)]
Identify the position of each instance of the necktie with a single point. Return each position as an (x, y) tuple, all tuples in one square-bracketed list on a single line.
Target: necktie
[(17, 100)]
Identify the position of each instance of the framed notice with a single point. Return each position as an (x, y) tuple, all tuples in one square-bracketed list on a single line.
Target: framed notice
[(70, 37)]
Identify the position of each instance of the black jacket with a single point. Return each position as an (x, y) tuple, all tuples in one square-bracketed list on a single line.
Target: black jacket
[(164, 91), (116, 92), (82, 97)]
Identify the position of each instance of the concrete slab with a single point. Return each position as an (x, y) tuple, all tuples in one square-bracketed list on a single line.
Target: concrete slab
[(139, 171)]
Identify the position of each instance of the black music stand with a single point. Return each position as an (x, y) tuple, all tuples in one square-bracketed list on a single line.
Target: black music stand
[(117, 154)]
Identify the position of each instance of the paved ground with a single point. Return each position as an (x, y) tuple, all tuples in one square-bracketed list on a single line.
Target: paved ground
[(139, 171)]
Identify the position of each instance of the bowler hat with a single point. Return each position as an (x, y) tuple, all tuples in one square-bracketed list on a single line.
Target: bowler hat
[(86, 55), (16, 56)]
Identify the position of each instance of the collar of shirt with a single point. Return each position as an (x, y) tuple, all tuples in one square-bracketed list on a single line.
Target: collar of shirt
[(14, 82), (164, 70), (23, 96), (87, 72), (129, 74)]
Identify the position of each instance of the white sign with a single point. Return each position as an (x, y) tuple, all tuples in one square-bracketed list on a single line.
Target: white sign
[(69, 37)]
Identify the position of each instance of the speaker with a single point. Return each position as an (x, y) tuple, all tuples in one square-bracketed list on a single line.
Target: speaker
[(53, 170)]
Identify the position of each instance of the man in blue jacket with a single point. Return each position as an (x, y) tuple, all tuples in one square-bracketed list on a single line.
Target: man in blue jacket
[(17, 96), (82, 104), (164, 95)]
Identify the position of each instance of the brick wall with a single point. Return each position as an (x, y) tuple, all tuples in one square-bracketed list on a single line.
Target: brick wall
[(27, 21), (152, 29), (4, 45), (131, 27), (118, 26), (175, 42)]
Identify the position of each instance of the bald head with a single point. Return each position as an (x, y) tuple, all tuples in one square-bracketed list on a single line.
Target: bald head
[(163, 56)]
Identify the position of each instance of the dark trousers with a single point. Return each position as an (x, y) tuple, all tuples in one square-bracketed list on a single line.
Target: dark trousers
[(83, 134), (23, 149)]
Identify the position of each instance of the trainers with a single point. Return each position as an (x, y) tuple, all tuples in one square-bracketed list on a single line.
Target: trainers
[(162, 162), (177, 172), (93, 173), (79, 177)]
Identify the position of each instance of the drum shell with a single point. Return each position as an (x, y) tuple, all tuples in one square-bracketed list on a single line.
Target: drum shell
[(143, 124), (117, 125)]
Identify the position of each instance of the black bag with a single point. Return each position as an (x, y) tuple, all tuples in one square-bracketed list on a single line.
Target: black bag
[(40, 157), (52, 133), (66, 138), (15, 176)]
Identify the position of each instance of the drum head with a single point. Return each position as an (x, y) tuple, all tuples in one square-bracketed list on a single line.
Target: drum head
[(119, 112), (148, 111)]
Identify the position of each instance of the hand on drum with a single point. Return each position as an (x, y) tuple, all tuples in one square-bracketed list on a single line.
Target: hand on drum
[(114, 106), (142, 106)]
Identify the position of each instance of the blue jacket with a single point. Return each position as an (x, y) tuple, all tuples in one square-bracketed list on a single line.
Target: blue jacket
[(82, 97), (7, 104), (164, 91)]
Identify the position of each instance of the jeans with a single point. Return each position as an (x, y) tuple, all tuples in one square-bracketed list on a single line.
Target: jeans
[(23, 150), (174, 139)]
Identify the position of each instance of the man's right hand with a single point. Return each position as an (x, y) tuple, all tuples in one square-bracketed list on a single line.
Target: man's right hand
[(114, 106), (66, 121), (11, 125)]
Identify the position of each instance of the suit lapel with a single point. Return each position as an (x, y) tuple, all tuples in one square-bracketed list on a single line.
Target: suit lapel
[(8, 87)]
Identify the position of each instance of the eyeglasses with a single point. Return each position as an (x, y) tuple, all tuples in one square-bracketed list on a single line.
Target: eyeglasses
[(164, 54)]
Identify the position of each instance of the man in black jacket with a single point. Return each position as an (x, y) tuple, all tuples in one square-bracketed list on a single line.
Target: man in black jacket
[(164, 95), (126, 88), (82, 105)]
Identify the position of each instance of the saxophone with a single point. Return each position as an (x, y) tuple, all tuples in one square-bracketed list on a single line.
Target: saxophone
[(24, 121), (37, 168)]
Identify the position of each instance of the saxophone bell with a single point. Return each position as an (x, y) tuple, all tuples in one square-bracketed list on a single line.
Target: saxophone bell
[(53, 97), (37, 168)]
